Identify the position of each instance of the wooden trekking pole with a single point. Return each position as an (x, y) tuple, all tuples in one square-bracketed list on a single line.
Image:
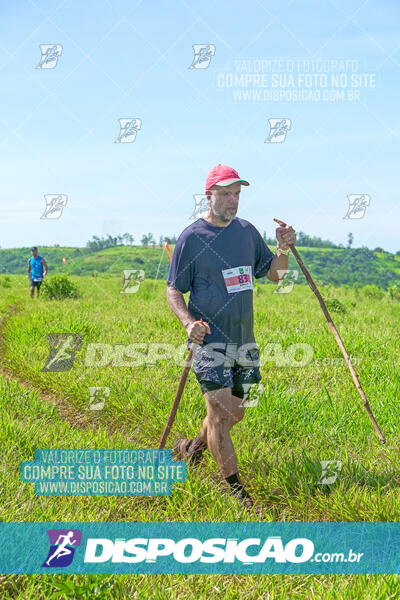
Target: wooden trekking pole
[(178, 395), (337, 337)]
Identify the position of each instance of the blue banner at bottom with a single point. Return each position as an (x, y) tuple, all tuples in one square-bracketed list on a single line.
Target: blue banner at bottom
[(202, 548)]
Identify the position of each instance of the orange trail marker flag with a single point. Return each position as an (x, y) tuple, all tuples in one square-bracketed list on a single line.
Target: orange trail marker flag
[(168, 250)]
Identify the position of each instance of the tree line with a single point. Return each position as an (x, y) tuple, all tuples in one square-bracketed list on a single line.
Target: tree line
[(311, 241), (99, 243), (148, 239)]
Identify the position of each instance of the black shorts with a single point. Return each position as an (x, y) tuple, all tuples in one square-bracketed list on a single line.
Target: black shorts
[(238, 389), (228, 372), (36, 284)]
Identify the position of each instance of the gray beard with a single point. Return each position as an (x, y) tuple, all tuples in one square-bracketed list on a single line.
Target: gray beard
[(225, 216)]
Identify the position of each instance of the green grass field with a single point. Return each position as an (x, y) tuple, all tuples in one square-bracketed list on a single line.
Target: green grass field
[(306, 414)]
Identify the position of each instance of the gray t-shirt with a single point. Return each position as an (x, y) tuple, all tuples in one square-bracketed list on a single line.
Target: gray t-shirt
[(201, 253)]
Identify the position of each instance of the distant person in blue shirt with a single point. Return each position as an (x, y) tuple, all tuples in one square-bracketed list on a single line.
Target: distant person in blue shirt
[(216, 258), (37, 269)]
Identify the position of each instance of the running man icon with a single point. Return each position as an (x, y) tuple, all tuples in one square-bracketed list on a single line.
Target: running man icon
[(62, 549), (62, 542)]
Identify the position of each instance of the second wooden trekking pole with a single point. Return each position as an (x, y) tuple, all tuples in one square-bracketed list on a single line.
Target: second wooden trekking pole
[(337, 337), (178, 395)]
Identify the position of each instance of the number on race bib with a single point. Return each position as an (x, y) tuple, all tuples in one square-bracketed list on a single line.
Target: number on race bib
[(238, 279)]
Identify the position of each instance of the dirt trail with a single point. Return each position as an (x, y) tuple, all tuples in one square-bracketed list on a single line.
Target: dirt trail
[(73, 416), (89, 420)]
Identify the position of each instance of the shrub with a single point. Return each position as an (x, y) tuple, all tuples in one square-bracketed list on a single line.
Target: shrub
[(335, 305), (394, 291), (59, 287), (6, 281), (372, 291)]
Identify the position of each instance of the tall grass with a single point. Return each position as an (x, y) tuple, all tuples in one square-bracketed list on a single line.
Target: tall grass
[(304, 415)]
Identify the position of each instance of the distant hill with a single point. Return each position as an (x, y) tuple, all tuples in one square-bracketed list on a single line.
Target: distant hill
[(336, 266)]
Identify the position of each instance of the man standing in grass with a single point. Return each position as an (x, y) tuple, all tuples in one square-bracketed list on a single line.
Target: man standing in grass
[(216, 259), (37, 269)]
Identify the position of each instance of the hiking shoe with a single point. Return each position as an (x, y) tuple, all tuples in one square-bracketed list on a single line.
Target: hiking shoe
[(189, 450), (245, 500)]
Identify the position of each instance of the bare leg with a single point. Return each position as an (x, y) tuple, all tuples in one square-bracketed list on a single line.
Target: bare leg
[(223, 411), (31, 291), (236, 416)]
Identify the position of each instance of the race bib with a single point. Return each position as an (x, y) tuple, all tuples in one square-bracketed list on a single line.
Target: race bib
[(37, 278), (238, 279)]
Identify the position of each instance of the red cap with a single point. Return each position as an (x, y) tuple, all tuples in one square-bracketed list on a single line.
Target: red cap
[(223, 175)]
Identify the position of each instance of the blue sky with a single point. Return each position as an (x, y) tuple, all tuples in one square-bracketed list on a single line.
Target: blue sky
[(130, 60)]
